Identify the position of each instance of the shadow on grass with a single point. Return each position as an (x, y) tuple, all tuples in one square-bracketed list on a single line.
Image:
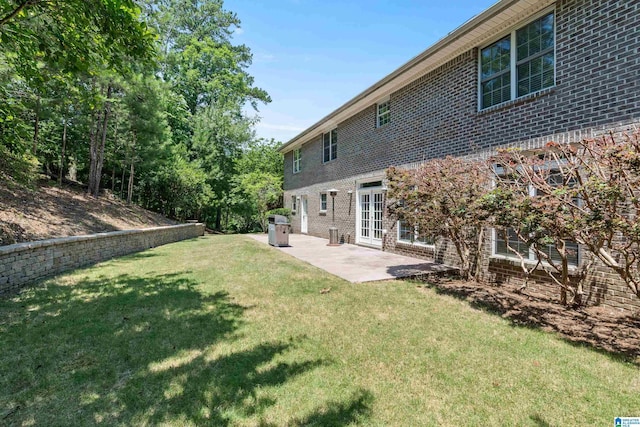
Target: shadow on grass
[(539, 421), (618, 338), (356, 409), (138, 255), (132, 350)]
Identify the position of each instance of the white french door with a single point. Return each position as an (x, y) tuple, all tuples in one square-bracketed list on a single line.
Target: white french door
[(304, 215), (370, 210)]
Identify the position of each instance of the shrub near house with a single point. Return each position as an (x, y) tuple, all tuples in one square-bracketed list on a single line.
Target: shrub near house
[(544, 205), (439, 199)]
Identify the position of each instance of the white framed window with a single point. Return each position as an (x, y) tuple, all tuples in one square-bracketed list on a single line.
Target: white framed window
[(297, 157), (323, 202), (408, 233), (500, 248), (294, 204), (518, 64), (500, 243), (383, 113), (330, 146)]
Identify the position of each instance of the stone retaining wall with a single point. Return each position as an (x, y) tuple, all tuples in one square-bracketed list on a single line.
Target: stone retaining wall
[(24, 263)]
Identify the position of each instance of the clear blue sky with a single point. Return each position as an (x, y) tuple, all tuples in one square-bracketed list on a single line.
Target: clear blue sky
[(312, 56)]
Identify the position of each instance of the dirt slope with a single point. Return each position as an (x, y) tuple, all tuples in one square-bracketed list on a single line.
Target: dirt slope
[(47, 211)]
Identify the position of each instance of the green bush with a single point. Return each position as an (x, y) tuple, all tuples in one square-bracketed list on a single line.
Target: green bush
[(279, 211), (21, 168)]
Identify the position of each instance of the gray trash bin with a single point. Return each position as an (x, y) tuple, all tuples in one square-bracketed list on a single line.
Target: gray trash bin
[(278, 230)]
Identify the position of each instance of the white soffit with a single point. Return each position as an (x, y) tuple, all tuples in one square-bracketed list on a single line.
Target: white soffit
[(490, 24)]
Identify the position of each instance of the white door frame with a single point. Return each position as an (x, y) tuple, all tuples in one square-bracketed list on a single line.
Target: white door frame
[(304, 215), (374, 237)]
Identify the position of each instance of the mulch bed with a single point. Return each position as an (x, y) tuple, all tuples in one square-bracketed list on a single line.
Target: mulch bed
[(599, 327)]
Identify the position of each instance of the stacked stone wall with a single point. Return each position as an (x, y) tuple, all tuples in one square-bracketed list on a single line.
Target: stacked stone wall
[(25, 263)]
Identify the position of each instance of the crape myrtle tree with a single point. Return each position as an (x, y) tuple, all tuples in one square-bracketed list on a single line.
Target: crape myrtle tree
[(586, 193), (544, 204), (533, 208), (440, 198), (608, 173)]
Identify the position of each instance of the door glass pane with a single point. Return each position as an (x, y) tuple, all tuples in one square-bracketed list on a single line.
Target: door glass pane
[(364, 215), (377, 215)]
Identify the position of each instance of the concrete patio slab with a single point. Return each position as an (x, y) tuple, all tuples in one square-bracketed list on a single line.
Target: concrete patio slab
[(355, 263)]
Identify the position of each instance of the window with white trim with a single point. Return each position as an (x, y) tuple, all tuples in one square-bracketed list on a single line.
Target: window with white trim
[(500, 244), (297, 157), (521, 63), (384, 113), (408, 233), (294, 204), (500, 248), (330, 146), (323, 202)]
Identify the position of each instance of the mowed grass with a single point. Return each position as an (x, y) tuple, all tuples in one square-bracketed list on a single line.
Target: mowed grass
[(225, 331)]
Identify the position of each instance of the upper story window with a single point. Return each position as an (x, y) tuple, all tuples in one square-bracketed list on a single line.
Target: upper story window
[(297, 156), (519, 64), (384, 114), (330, 146)]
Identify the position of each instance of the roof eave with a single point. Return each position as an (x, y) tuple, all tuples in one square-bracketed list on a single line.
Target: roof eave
[(386, 85)]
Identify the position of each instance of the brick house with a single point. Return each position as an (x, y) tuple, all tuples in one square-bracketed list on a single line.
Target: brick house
[(522, 73)]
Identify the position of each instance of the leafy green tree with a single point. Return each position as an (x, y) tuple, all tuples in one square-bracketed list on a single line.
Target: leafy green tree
[(258, 184), (144, 96), (199, 59), (261, 155), (262, 192), (149, 134), (219, 135), (74, 35)]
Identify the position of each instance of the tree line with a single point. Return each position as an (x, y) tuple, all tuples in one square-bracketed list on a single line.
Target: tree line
[(563, 209), (144, 98)]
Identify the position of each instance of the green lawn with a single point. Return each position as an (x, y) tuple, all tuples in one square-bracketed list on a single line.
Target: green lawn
[(225, 331)]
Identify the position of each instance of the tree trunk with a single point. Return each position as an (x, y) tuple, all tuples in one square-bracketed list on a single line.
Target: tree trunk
[(93, 151), (130, 187), (122, 181), (62, 153), (219, 218), (113, 171), (95, 174), (36, 128), (132, 157)]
